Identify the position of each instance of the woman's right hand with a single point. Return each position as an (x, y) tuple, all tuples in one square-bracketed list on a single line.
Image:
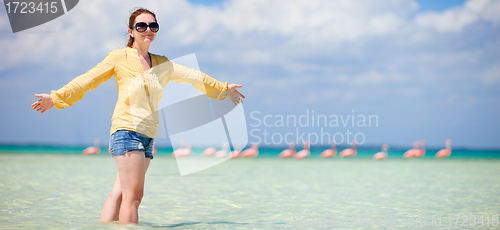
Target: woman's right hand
[(44, 104)]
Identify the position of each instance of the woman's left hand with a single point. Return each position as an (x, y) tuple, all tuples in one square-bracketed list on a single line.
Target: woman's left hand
[(44, 104), (234, 95)]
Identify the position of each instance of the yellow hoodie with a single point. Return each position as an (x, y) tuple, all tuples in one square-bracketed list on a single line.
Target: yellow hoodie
[(139, 91)]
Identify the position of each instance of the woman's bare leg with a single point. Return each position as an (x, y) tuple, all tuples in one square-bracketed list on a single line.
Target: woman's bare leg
[(112, 206), (110, 211), (132, 168)]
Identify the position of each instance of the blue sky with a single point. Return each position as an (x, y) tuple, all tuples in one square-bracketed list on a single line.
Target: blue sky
[(438, 5), (424, 5), (427, 69)]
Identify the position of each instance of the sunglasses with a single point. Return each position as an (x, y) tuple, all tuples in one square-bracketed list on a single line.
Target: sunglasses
[(142, 26)]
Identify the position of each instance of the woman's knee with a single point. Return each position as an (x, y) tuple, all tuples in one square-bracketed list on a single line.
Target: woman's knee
[(116, 192), (116, 195), (135, 196), (138, 195)]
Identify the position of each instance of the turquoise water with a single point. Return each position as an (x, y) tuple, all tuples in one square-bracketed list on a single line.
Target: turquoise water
[(315, 152), (64, 190)]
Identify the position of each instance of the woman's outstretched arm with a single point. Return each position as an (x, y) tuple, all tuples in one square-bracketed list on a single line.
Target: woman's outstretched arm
[(76, 89), (202, 82)]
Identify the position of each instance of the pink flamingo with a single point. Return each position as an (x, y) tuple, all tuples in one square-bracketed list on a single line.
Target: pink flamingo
[(421, 150), (288, 152), (412, 152), (180, 152), (330, 152), (305, 152), (445, 152), (383, 154), (154, 148), (349, 152), (237, 152), (209, 151), (223, 151), (96, 149), (251, 152)]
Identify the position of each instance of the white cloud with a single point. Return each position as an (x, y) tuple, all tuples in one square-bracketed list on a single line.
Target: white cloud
[(301, 21), (456, 19), (486, 9), (91, 29)]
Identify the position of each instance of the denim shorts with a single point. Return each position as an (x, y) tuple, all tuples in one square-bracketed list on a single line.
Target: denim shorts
[(125, 140)]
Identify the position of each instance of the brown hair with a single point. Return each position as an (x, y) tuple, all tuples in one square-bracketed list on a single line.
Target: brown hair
[(131, 21)]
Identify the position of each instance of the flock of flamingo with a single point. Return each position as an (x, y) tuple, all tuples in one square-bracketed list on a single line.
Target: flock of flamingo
[(418, 150)]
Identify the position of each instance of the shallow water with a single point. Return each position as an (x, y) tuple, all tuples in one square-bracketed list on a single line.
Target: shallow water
[(67, 192)]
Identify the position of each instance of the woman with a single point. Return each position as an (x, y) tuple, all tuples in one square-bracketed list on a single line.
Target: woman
[(141, 77)]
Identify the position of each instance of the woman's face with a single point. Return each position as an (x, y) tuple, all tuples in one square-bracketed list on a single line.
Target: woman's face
[(147, 36)]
